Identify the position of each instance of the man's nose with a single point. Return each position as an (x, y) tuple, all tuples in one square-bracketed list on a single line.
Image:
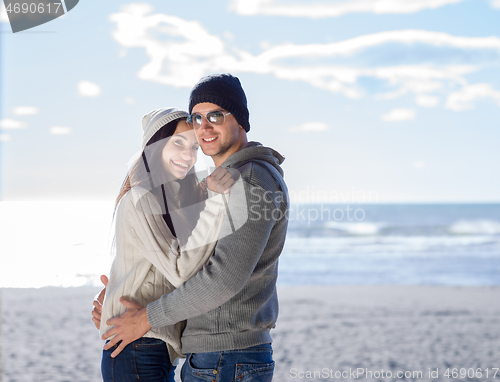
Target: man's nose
[(205, 125)]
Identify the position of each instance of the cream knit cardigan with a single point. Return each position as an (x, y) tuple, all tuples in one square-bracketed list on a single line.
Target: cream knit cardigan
[(148, 262)]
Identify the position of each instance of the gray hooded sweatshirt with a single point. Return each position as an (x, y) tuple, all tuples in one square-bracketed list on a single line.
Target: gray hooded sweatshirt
[(232, 302)]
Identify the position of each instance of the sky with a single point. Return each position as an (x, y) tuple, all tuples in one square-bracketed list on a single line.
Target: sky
[(368, 100)]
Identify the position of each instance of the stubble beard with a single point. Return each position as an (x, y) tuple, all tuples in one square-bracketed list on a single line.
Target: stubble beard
[(223, 149)]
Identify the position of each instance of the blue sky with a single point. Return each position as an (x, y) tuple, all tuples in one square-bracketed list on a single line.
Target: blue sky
[(369, 101)]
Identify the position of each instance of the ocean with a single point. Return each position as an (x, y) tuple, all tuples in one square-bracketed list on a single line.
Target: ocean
[(385, 244), (67, 244)]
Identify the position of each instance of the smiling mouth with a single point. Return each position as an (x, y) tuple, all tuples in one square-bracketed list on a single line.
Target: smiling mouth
[(208, 140), (180, 164)]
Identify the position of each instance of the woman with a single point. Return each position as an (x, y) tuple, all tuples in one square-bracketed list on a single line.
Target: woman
[(165, 232)]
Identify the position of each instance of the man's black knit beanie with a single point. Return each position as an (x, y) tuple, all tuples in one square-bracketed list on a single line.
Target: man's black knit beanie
[(223, 90)]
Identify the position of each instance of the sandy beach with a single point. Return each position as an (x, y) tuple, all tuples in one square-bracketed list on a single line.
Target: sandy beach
[(339, 333)]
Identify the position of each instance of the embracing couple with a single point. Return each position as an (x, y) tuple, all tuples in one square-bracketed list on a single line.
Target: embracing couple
[(195, 264)]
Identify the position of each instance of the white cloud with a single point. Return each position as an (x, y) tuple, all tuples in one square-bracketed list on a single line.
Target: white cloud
[(495, 4), (462, 99), (4, 137), (350, 46), (129, 100), (322, 10), (397, 115), (180, 52), (417, 165), (427, 100), (172, 62), (88, 89), (26, 110), (12, 124), (310, 127), (3, 13), (60, 130)]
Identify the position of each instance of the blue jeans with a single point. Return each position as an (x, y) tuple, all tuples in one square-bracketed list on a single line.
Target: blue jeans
[(242, 365), (145, 359)]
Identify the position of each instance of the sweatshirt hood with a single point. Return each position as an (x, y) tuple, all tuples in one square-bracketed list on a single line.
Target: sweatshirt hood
[(252, 151)]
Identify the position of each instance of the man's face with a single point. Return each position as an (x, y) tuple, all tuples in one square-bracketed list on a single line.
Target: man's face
[(221, 141)]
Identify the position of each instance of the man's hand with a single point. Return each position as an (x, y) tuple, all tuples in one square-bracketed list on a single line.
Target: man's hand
[(220, 180), (98, 300), (128, 327)]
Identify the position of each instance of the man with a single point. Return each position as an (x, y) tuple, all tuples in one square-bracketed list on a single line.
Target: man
[(231, 304)]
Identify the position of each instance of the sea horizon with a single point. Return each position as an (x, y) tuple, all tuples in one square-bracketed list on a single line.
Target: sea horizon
[(372, 244)]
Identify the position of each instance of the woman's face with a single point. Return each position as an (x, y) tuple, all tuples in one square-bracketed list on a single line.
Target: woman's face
[(179, 153)]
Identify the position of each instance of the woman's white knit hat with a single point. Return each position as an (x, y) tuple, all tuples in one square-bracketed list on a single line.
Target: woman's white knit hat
[(156, 119)]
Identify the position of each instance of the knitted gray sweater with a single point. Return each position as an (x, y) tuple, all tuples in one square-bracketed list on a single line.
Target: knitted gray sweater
[(232, 302)]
